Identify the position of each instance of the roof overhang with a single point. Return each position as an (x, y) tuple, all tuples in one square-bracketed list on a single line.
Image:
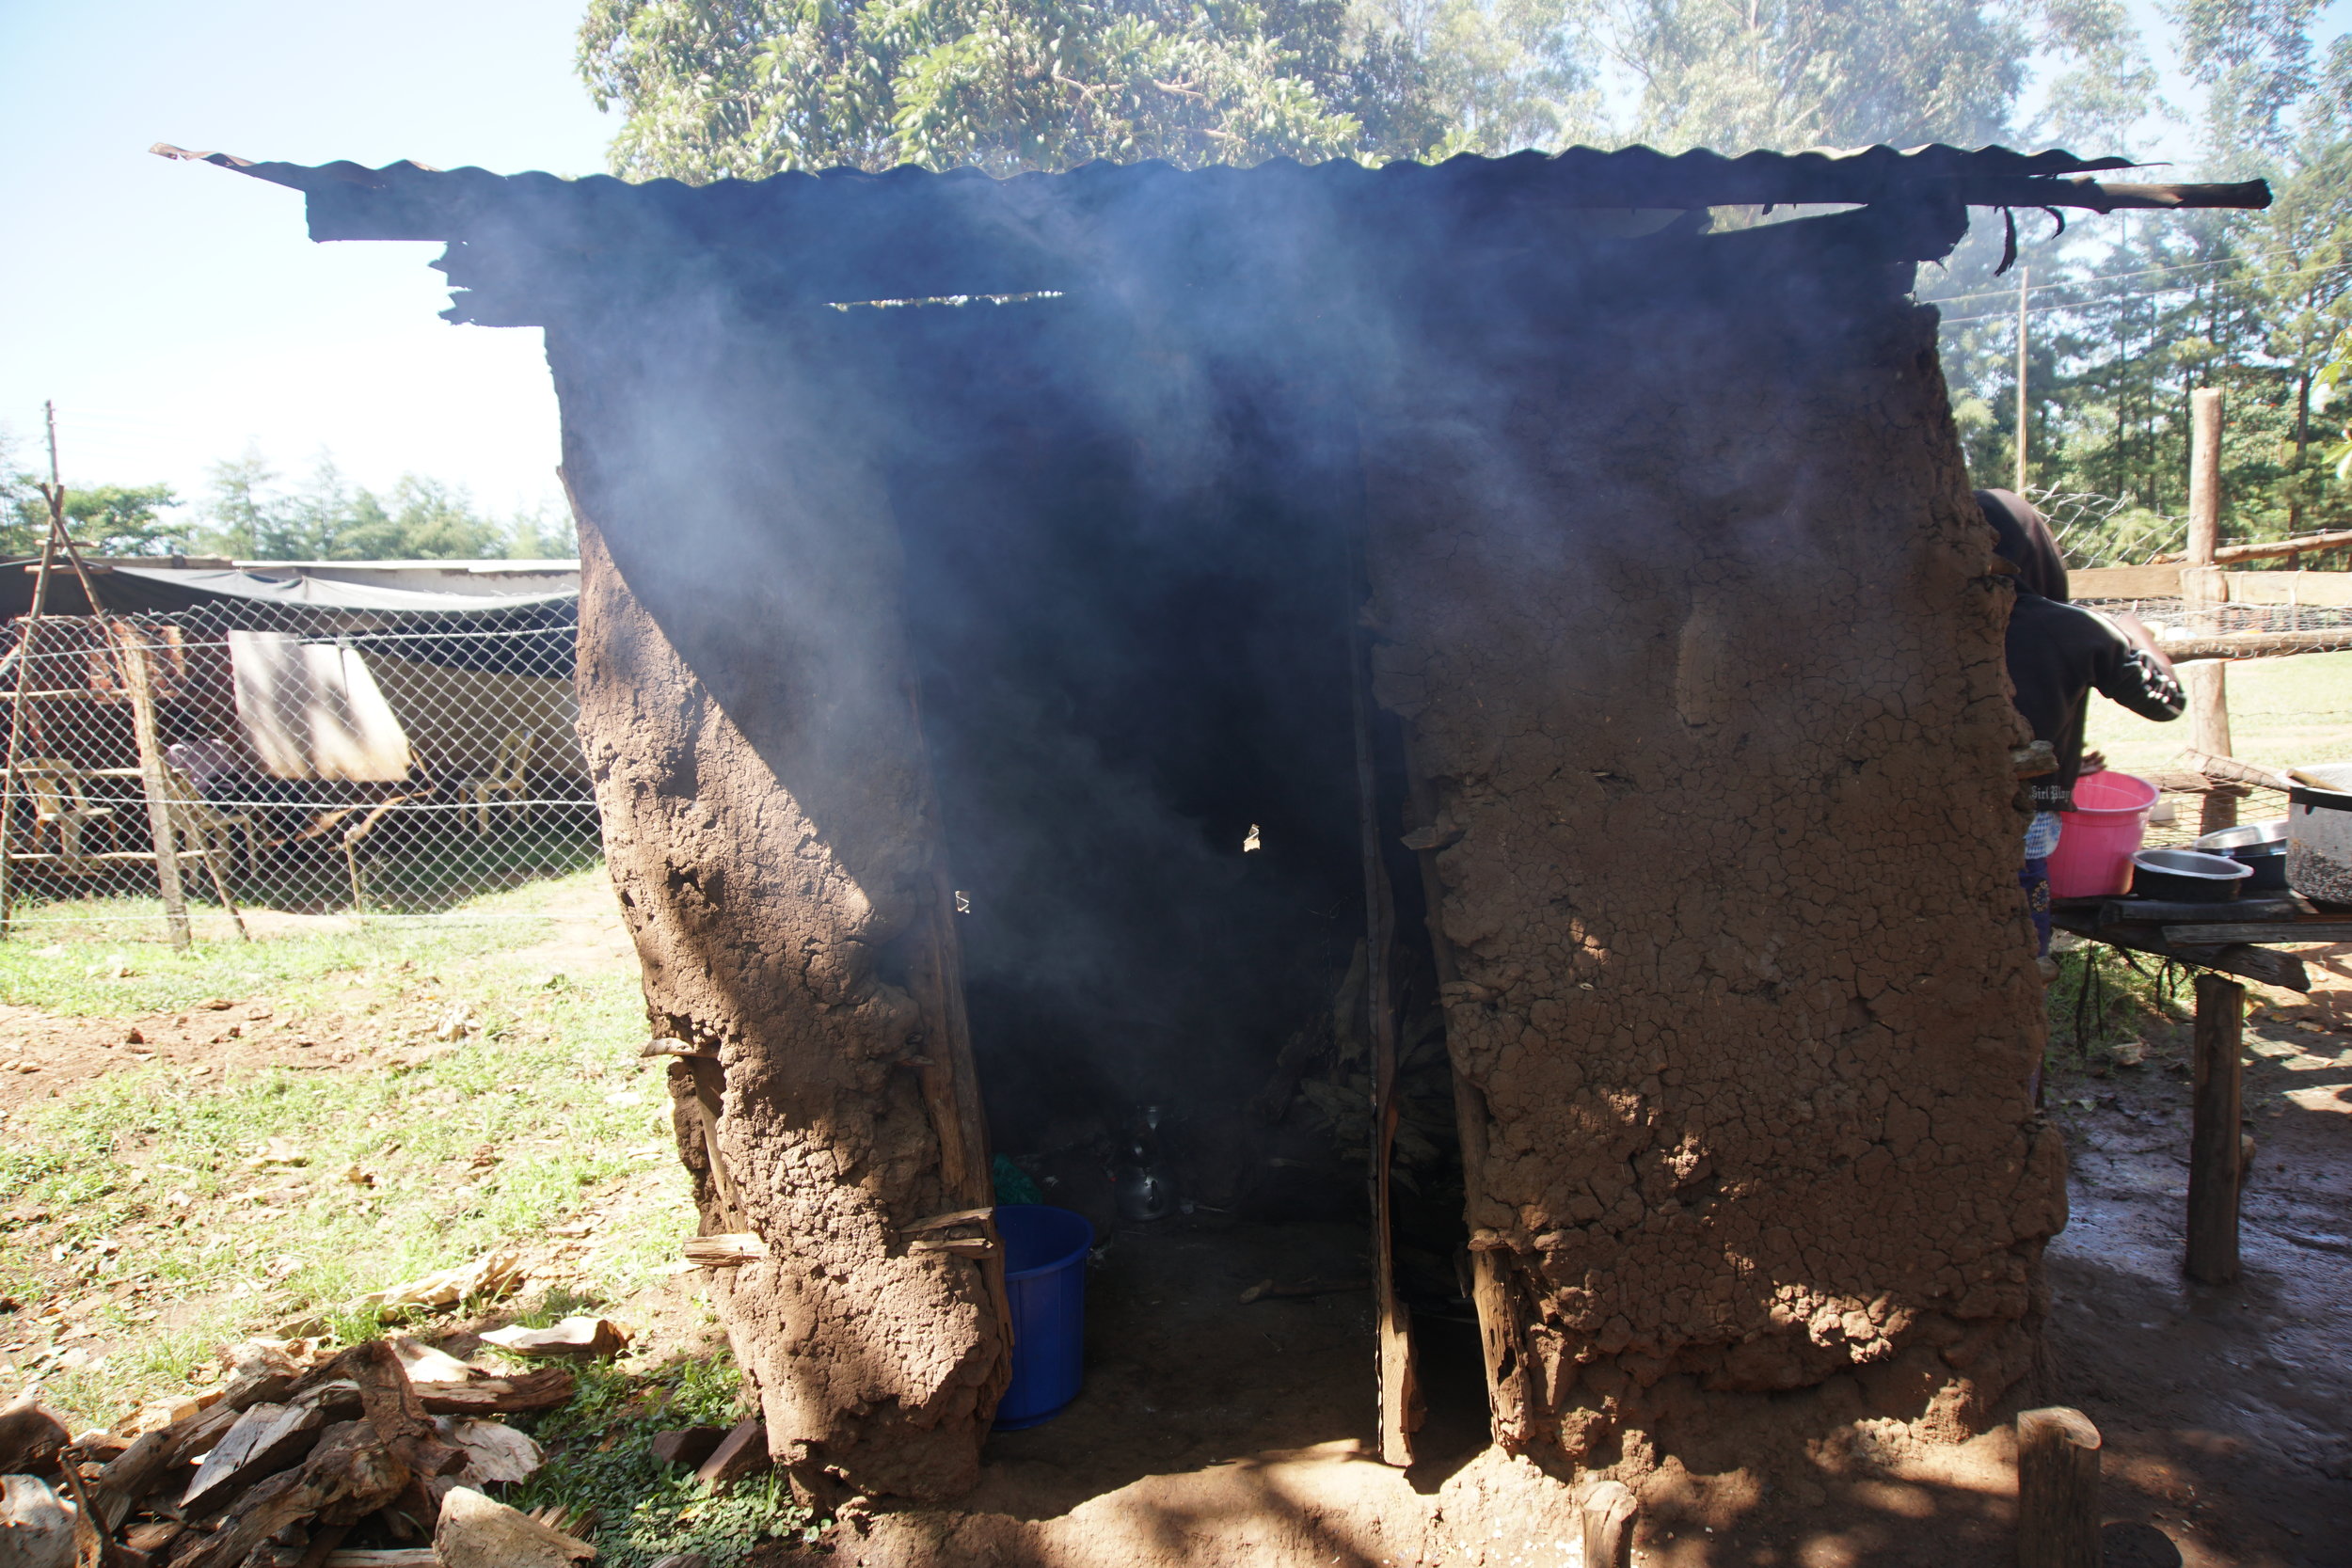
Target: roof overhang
[(525, 248)]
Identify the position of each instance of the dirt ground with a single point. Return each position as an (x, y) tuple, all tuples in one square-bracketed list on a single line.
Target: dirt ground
[(2227, 1411), (1213, 1432), (43, 1055), (1210, 1432)]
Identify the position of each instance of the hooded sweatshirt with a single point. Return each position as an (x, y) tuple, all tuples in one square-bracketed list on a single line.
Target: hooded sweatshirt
[(2059, 652)]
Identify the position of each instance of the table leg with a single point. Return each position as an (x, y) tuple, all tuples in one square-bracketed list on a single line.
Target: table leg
[(2215, 1161)]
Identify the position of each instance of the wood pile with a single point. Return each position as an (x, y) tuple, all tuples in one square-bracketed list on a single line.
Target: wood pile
[(371, 1457)]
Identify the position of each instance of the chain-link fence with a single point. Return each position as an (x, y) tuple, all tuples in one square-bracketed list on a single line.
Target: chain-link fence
[(316, 758)]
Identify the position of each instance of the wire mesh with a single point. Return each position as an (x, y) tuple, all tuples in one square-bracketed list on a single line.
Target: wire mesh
[(2094, 530), (310, 759), (2098, 530), (2172, 618)]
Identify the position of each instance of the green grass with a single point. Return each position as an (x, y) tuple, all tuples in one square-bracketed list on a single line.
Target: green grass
[(160, 1228), (2102, 998), (60, 956), (140, 1204), (422, 863), (2283, 712), (599, 1459)]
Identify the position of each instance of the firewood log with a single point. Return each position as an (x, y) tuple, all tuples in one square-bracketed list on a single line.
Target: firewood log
[(267, 1439), (499, 1396), (352, 1473), (477, 1532)]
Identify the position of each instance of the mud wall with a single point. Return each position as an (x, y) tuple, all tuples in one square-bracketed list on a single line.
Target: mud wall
[(1686, 607), (747, 713)]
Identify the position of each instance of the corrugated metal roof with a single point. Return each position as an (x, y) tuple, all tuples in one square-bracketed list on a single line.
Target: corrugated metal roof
[(411, 201), (847, 235)]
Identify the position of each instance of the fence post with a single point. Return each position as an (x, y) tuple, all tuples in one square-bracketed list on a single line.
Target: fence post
[(2204, 585), (2216, 1160), (138, 682)]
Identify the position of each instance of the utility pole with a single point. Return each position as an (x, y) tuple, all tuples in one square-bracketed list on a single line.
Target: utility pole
[(2023, 274), (49, 413)]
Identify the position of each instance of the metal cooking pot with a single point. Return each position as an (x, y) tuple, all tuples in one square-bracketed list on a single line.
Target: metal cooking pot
[(2319, 836)]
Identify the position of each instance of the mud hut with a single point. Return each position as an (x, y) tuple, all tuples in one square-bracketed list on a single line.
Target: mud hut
[(1077, 654)]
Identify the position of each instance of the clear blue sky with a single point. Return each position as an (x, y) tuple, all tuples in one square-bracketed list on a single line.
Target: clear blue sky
[(177, 311)]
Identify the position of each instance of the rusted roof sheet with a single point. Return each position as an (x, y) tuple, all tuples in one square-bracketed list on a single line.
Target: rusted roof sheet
[(519, 240)]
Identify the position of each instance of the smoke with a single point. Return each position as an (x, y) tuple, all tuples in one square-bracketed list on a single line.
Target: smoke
[(1100, 533)]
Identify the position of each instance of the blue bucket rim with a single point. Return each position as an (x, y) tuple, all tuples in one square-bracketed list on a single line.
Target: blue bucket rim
[(1063, 1261)]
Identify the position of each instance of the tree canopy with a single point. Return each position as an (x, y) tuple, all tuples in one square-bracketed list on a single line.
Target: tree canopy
[(712, 88), (2127, 318), (112, 519), (248, 514), (2128, 312)]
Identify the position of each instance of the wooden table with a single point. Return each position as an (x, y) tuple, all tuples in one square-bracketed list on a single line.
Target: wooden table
[(2207, 939)]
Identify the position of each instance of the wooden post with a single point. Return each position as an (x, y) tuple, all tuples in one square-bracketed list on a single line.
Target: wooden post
[(2203, 586), (2216, 1157), (2204, 475), (2208, 706), (2058, 1489), (1608, 1511), (1398, 1381), (2202, 583), (2205, 683), (138, 681), (1510, 1389)]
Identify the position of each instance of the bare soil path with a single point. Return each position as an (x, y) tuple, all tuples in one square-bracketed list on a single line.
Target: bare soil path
[(2227, 1410)]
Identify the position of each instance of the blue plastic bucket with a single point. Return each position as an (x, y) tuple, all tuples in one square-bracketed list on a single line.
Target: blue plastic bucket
[(1045, 1284)]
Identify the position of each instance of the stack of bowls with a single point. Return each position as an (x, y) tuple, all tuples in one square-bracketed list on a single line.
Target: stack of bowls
[(2260, 845)]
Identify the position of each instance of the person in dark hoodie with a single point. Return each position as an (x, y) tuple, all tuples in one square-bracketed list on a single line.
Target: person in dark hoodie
[(2058, 654)]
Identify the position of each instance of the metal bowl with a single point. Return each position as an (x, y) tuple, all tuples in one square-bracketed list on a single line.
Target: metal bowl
[(2246, 837), (2187, 876)]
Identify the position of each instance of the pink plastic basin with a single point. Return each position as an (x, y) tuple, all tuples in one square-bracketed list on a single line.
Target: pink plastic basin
[(2094, 859)]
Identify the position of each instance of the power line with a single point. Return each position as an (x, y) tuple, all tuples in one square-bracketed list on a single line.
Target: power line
[(2142, 272), (2094, 299)]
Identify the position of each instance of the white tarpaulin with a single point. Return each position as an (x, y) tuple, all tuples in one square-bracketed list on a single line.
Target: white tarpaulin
[(312, 710)]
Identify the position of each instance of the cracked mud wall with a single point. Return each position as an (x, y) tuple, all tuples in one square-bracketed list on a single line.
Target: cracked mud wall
[(747, 713), (1686, 608)]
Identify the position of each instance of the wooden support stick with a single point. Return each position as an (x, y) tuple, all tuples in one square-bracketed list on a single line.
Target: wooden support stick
[(2058, 1489), (138, 684), (710, 1090), (2309, 543), (2214, 1155), (1510, 1385), (1400, 1395), (27, 640), (1609, 1509)]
